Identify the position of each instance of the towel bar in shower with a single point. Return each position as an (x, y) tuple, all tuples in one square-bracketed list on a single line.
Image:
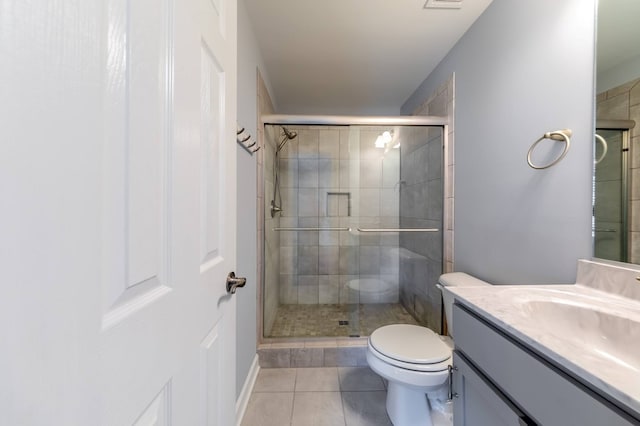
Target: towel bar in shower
[(311, 229), (397, 229)]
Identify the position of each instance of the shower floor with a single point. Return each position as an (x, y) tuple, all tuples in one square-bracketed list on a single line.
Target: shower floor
[(329, 320)]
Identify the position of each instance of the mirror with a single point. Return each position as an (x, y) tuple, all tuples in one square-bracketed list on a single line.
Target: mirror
[(616, 183)]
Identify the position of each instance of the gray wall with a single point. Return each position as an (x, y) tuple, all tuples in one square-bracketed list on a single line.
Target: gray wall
[(249, 60), (524, 68)]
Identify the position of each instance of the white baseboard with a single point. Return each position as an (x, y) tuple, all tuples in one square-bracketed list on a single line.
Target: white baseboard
[(247, 388)]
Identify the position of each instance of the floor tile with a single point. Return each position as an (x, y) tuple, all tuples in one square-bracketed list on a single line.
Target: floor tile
[(317, 409), (365, 408), (269, 409), (275, 380), (317, 379), (359, 379)]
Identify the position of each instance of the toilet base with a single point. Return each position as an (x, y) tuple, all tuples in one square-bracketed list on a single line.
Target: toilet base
[(407, 406)]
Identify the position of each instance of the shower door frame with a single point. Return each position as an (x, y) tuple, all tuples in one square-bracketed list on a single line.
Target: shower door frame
[(338, 120), (624, 127)]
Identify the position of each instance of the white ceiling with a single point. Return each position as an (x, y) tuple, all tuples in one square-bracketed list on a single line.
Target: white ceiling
[(353, 56), (618, 32)]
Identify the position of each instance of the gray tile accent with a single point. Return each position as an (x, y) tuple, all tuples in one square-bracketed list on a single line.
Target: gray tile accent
[(307, 357), (275, 358)]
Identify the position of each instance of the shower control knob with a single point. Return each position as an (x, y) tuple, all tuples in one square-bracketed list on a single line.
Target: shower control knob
[(234, 282)]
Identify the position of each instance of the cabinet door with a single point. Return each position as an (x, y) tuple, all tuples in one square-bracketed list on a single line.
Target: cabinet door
[(478, 402)]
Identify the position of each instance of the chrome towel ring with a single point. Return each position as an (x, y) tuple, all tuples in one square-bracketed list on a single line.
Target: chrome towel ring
[(605, 147), (557, 135)]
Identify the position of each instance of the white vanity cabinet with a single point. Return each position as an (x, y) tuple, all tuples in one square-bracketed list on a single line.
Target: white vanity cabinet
[(500, 381)]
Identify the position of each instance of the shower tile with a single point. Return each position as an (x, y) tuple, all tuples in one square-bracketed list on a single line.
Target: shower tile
[(288, 238), (616, 107), (288, 260), (391, 169), (289, 173), (328, 173), (329, 238), (328, 260), (421, 164), (365, 408), (346, 296), (308, 238), (434, 159), (346, 180), (328, 289), (289, 202), (308, 173), (308, 144), (371, 173), (349, 146), (348, 238), (329, 144), (306, 357), (308, 260), (288, 289), (369, 202), (349, 260), (308, 289), (634, 95), (389, 202), (317, 409), (389, 262), (435, 199), (370, 260), (308, 202)]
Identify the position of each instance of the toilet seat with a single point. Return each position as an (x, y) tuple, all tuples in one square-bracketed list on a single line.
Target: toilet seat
[(410, 347)]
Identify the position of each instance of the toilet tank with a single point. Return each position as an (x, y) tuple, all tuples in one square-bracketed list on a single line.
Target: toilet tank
[(454, 279)]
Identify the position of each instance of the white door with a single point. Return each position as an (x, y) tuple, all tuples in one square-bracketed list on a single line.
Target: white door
[(117, 212)]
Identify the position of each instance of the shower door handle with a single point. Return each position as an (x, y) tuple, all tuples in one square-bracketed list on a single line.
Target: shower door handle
[(233, 282)]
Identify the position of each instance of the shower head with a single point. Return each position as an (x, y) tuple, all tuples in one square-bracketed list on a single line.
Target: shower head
[(288, 133)]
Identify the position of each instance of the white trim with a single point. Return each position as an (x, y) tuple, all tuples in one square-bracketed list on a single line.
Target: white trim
[(247, 388), (339, 120)]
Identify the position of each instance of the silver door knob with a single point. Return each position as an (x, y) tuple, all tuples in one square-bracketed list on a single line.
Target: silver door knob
[(234, 282)]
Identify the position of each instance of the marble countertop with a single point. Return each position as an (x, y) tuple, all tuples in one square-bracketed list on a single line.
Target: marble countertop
[(609, 362)]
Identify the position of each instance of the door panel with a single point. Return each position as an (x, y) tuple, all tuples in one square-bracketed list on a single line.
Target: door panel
[(118, 219)]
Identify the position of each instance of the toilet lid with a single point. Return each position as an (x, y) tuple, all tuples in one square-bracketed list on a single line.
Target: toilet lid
[(409, 343)]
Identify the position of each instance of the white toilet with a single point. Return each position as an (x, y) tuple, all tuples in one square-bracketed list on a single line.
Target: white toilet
[(415, 360)]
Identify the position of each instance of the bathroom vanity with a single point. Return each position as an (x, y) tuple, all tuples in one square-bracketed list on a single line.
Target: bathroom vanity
[(549, 354)]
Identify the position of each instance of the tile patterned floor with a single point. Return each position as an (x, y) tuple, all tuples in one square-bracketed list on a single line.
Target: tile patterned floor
[(330, 396), (324, 320)]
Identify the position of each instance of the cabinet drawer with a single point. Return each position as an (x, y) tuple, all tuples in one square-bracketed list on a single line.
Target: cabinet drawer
[(544, 393)]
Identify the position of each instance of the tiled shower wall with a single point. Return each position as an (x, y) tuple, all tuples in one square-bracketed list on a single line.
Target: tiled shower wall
[(423, 260), (623, 103), (268, 240), (421, 201), (335, 177)]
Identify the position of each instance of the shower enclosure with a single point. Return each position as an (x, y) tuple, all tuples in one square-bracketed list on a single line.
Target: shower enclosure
[(352, 224)]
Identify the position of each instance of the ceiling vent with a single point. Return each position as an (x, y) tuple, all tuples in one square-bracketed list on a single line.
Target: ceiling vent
[(443, 4)]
